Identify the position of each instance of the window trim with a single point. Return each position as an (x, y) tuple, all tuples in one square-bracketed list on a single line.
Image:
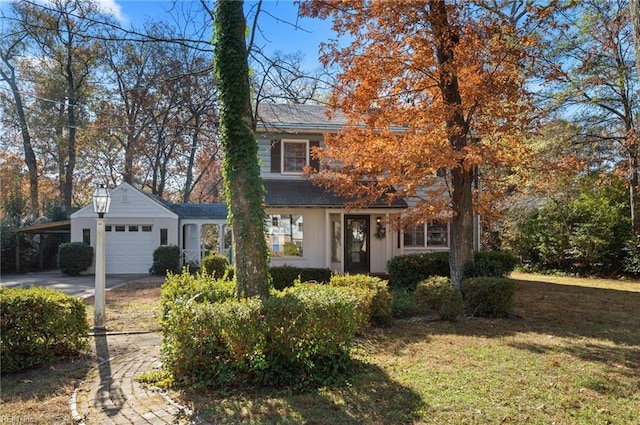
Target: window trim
[(283, 144), (426, 245)]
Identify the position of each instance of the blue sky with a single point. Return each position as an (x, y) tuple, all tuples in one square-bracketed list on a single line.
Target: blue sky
[(276, 19)]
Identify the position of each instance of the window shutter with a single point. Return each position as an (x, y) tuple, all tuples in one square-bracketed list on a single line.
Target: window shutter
[(313, 162), (276, 154)]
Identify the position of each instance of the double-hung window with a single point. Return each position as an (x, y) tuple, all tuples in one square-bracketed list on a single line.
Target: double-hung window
[(431, 235), (295, 156), (290, 156)]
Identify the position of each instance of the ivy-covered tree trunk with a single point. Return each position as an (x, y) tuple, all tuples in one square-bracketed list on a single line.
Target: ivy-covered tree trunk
[(243, 186)]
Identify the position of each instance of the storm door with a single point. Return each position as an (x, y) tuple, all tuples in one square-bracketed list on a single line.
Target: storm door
[(356, 244)]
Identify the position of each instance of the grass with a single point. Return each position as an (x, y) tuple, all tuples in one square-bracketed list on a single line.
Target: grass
[(570, 355)]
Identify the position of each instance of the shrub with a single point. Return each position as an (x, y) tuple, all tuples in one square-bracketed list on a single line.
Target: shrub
[(202, 287), (493, 263), (74, 257), (298, 338), (216, 265), (284, 276), (37, 325), (438, 293), (166, 259), (488, 296), (405, 271), (213, 343), (374, 297), (404, 304), (310, 330)]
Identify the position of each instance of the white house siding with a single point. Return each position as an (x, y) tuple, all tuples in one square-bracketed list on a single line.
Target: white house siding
[(128, 251), (314, 246)]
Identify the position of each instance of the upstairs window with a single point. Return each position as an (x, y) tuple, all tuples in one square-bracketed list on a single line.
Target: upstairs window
[(291, 156), (294, 156)]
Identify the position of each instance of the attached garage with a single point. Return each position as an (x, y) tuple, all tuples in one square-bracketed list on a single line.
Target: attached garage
[(129, 248), (136, 224)]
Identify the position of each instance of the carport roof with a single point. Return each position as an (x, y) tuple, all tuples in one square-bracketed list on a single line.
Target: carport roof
[(63, 227)]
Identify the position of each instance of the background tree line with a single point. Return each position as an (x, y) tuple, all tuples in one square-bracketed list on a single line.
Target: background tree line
[(552, 90)]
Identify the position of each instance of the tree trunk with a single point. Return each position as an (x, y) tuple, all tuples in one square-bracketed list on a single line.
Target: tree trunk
[(634, 9), (243, 185), (29, 154), (446, 38)]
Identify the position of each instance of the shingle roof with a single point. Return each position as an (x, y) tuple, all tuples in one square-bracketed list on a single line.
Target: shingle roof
[(210, 211), (297, 117), (303, 193)]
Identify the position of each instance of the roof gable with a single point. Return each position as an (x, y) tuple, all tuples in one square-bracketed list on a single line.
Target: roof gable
[(128, 201)]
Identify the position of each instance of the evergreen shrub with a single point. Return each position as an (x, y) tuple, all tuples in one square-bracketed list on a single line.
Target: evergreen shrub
[(488, 296), (375, 301), (39, 325), (74, 257), (166, 259), (405, 271), (284, 276), (217, 265), (438, 293)]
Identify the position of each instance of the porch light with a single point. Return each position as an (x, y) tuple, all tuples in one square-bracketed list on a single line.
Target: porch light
[(101, 200), (381, 231)]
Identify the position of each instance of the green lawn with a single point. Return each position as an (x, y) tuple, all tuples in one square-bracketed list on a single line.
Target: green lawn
[(571, 355)]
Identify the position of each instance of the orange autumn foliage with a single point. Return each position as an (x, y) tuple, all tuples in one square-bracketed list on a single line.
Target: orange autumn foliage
[(390, 87)]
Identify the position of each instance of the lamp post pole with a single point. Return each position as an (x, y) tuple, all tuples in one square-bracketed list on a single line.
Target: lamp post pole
[(101, 203), (100, 274)]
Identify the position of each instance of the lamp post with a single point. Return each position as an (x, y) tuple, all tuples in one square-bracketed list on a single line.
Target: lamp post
[(101, 202)]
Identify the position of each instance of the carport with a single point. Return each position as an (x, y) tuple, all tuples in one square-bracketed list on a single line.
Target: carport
[(61, 228)]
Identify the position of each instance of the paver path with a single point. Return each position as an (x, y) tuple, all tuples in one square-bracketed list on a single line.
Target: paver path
[(111, 394)]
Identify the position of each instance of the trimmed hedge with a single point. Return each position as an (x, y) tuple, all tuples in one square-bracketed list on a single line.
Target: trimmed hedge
[(438, 293), (38, 325), (217, 265), (297, 338), (74, 257), (405, 271), (284, 276), (166, 259), (375, 301), (310, 330), (202, 288), (489, 296)]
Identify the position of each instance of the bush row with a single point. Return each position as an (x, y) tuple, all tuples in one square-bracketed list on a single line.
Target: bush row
[(284, 276), (406, 271), (299, 337), (38, 325), (478, 296)]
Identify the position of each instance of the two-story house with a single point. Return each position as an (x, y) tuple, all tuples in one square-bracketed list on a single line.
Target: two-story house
[(306, 226), (310, 227)]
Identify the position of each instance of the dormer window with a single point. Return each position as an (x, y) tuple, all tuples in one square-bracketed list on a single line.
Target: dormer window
[(290, 156)]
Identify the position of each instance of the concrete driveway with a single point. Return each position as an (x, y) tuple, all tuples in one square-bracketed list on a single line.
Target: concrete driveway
[(81, 286)]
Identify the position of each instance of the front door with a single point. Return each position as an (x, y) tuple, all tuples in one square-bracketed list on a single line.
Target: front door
[(356, 246)]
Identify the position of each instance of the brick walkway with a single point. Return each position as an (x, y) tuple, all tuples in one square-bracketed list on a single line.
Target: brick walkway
[(111, 394)]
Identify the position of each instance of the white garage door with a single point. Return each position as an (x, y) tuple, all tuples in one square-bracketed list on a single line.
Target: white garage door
[(129, 248)]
